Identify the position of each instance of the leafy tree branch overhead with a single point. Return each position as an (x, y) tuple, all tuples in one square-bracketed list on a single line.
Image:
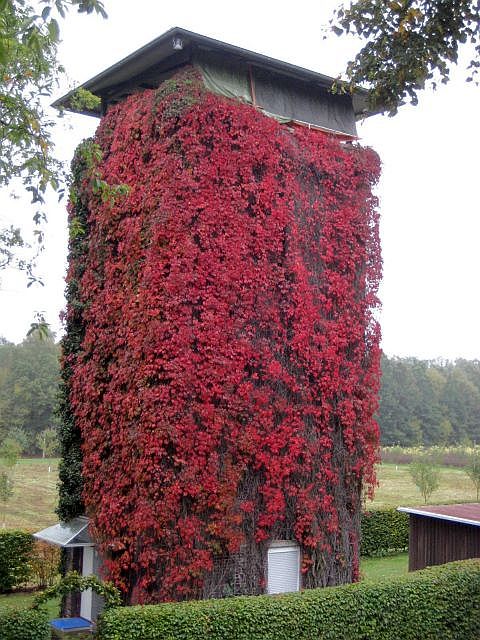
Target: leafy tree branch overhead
[(409, 44), (29, 71)]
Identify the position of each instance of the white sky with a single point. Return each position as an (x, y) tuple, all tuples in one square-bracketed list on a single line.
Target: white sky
[(429, 192)]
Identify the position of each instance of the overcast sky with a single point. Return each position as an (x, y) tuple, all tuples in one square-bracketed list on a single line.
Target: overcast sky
[(429, 191)]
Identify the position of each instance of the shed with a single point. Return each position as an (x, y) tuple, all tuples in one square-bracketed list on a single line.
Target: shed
[(284, 91), (81, 556), (443, 533)]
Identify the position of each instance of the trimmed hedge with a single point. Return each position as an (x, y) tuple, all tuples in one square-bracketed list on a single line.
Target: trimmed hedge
[(15, 551), (24, 624), (439, 602), (383, 531)]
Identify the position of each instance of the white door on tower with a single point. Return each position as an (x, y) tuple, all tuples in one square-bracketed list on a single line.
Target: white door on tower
[(283, 567)]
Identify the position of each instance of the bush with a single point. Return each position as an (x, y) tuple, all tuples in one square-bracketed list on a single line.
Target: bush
[(45, 564), (440, 602), (383, 531), (15, 551), (24, 624), (453, 456)]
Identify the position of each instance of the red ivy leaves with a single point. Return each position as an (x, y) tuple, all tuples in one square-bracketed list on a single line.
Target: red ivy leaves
[(229, 371)]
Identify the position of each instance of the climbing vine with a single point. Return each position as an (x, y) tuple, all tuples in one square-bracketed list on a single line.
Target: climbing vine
[(86, 181), (70, 468), (223, 362), (73, 582)]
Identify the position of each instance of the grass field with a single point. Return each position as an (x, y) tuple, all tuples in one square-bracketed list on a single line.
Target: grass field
[(34, 499), (35, 491), (396, 487)]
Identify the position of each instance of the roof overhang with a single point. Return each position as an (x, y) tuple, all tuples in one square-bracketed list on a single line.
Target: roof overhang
[(417, 511), (73, 533), (175, 48)]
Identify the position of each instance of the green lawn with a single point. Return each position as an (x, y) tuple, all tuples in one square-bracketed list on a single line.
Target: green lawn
[(384, 568), (24, 600)]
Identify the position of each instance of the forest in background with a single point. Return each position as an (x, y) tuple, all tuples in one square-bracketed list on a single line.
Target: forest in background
[(29, 377), (429, 402), (422, 402)]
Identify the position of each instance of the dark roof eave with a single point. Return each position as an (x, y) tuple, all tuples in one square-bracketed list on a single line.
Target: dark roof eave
[(161, 47), (439, 516)]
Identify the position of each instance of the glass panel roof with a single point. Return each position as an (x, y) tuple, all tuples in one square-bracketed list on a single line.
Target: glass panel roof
[(66, 534)]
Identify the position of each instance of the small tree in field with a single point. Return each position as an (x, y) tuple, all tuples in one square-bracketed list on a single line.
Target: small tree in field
[(6, 492), (9, 452), (47, 442), (425, 475), (473, 471)]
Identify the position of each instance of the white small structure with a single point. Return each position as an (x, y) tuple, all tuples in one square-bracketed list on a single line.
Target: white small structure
[(283, 567), (74, 535)]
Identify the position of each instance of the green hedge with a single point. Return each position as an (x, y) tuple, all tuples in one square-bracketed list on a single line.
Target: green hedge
[(440, 602), (15, 551), (24, 624), (383, 531)]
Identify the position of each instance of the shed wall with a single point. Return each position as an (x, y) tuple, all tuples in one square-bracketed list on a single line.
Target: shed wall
[(434, 541)]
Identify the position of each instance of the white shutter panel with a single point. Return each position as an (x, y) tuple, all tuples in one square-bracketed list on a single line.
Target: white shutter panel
[(283, 569)]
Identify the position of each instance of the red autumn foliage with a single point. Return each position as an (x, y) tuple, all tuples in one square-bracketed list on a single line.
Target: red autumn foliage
[(228, 377)]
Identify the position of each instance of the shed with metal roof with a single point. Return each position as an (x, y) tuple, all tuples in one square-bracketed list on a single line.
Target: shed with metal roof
[(443, 533), (81, 556)]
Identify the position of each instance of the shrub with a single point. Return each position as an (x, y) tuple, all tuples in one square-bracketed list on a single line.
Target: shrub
[(15, 550), (383, 531), (453, 456), (45, 563), (440, 602), (24, 624)]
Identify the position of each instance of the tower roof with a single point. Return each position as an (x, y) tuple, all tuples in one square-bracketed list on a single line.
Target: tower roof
[(281, 89)]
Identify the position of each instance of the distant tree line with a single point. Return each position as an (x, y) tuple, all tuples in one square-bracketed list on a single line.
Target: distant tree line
[(29, 375), (429, 402)]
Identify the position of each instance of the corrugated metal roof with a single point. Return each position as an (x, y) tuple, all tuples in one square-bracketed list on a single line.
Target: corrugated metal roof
[(467, 513), (163, 52), (73, 533)]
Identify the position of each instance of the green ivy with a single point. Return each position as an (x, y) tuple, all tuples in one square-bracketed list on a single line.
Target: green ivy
[(74, 582), (440, 602), (15, 551), (84, 170), (83, 100), (24, 624), (383, 531), (70, 469)]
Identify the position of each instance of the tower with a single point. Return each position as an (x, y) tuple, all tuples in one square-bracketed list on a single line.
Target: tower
[(221, 359)]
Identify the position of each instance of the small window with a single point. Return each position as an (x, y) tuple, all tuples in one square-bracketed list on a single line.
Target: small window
[(283, 567)]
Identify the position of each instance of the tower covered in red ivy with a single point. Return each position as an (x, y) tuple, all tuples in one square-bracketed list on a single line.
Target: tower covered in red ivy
[(221, 359)]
